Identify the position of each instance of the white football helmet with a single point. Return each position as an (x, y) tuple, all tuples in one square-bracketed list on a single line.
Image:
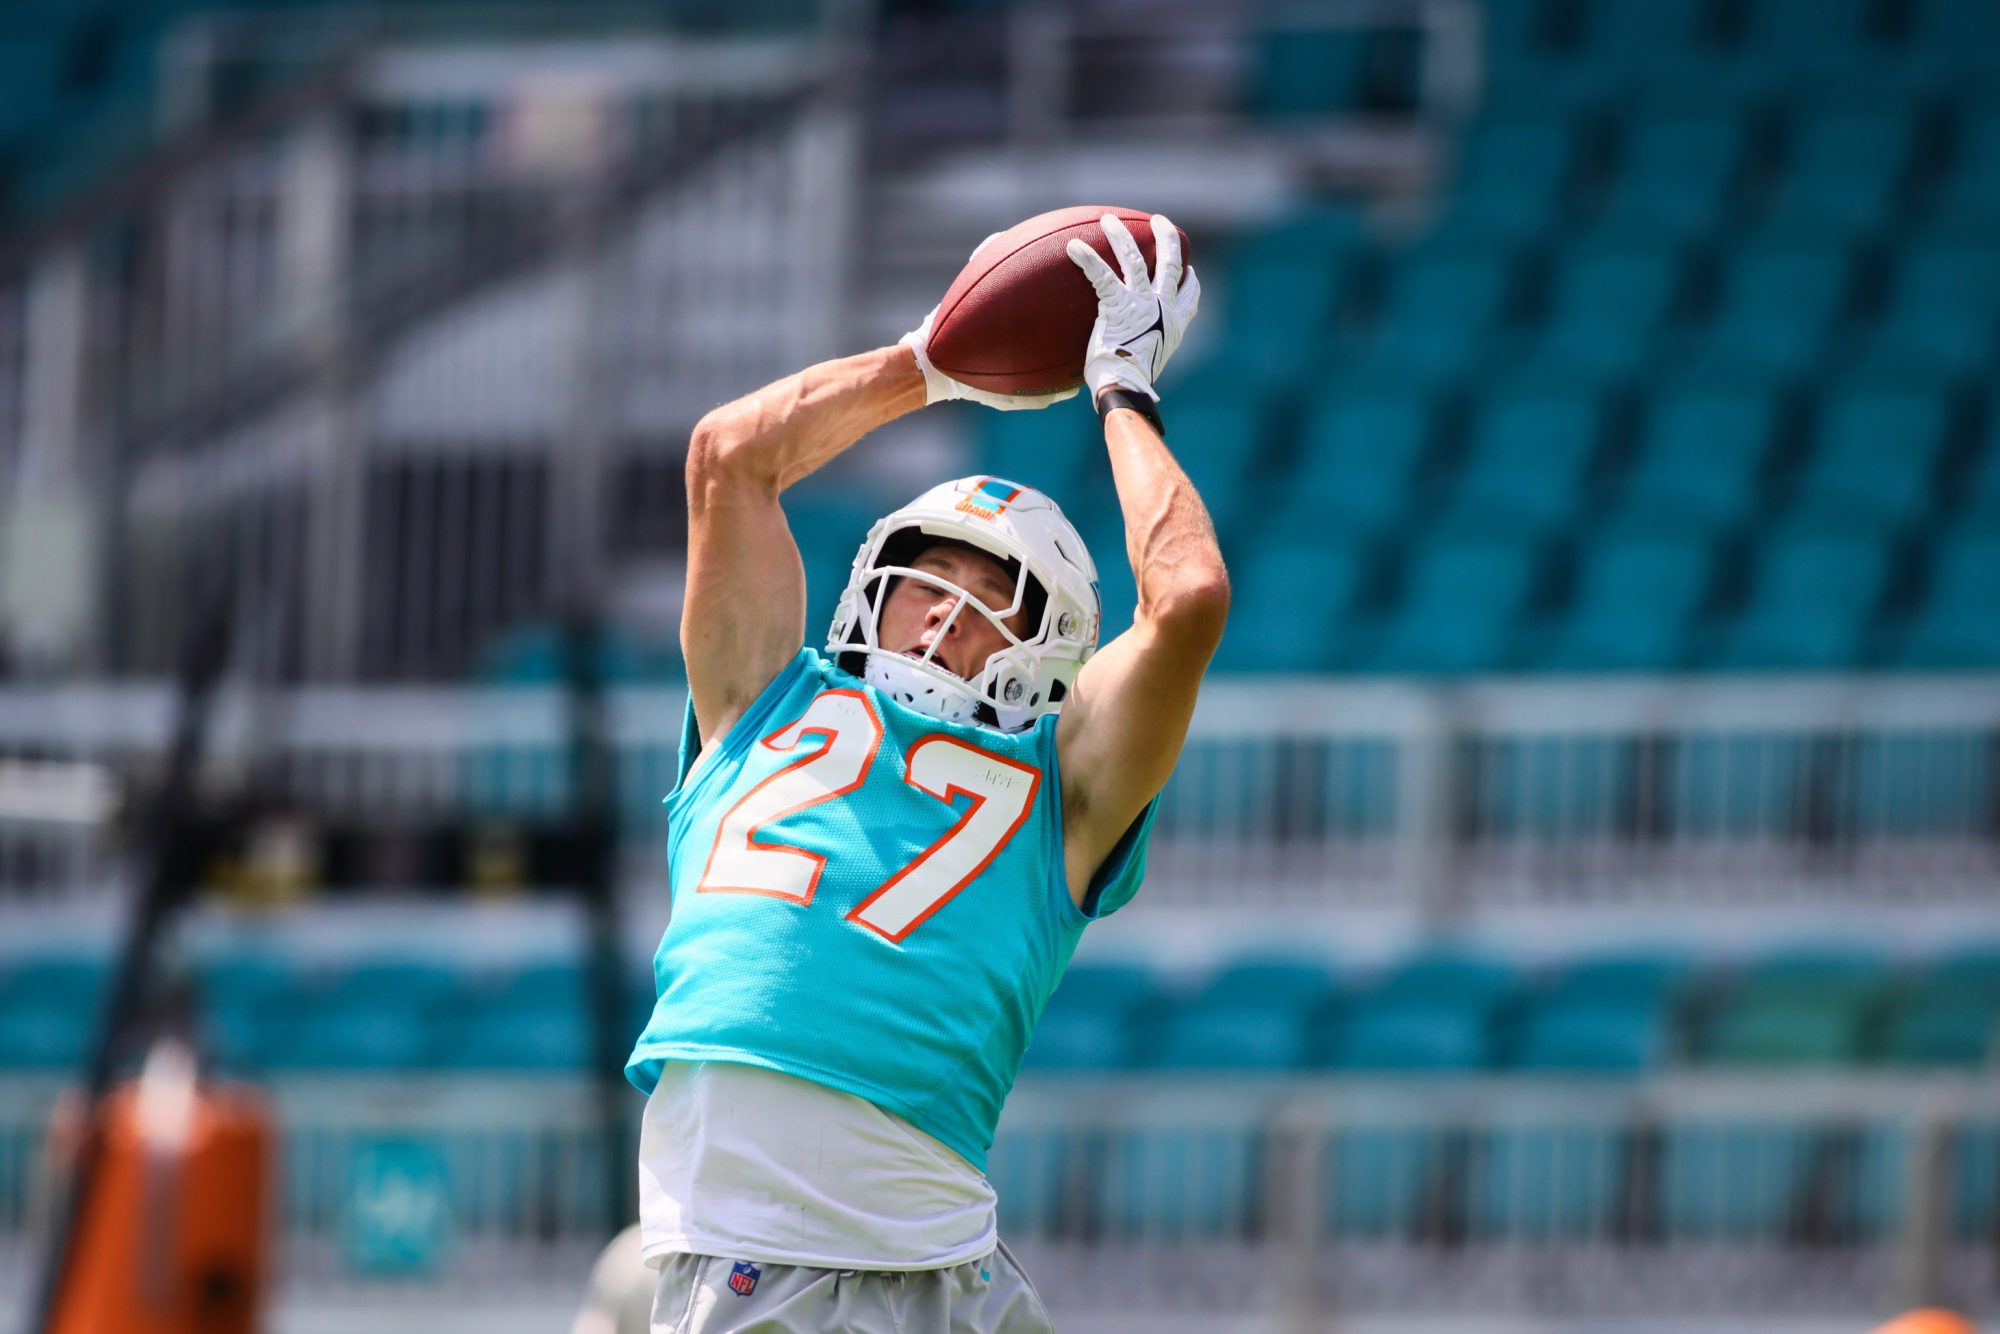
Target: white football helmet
[(1055, 582)]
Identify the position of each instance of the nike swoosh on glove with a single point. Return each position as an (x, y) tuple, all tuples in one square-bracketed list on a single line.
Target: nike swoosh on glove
[(1141, 317)]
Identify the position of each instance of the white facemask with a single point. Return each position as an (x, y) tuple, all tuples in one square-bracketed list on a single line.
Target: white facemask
[(903, 682)]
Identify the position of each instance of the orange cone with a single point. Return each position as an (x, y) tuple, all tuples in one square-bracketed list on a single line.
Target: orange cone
[(172, 1240), (1929, 1320)]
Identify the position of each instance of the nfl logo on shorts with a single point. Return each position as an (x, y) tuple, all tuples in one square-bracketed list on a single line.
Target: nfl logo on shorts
[(743, 1278)]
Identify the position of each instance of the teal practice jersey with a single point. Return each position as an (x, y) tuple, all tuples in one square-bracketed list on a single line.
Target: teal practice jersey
[(869, 898)]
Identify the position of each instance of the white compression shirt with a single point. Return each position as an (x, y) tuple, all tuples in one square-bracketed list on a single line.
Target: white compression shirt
[(750, 1164)]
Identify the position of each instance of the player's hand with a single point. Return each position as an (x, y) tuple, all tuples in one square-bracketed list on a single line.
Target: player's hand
[(1140, 317), (941, 388)]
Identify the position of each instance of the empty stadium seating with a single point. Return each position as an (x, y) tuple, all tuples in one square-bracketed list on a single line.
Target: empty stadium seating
[(1610, 1013), (1738, 232)]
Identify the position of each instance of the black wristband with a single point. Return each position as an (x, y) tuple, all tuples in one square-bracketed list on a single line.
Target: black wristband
[(1144, 404)]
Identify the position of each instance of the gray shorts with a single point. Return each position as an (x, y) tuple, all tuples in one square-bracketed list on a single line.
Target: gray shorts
[(990, 1296)]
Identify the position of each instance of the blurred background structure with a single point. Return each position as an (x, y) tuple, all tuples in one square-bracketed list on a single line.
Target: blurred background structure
[(1579, 906)]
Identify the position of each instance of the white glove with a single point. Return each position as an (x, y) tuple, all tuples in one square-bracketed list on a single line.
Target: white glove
[(1140, 320), (941, 388)]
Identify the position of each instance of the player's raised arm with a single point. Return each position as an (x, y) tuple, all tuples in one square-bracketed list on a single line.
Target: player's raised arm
[(1124, 725), (743, 617), (744, 614)]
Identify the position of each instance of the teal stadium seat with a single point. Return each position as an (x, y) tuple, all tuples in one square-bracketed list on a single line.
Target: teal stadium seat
[(1239, 1041), (1779, 301), (1464, 595), (1276, 984), (1529, 456), (1846, 167), (246, 997), (537, 654), (1806, 1007), (1971, 971), (1813, 595), (1620, 1040), (1614, 1014), (1978, 490), (1837, 968), (1255, 1014), (1302, 74), (1411, 1038), (1939, 1031), (1785, 1031), (1632, 37), (1953, 36), (1704, 449), (1875, 461), (1944, 304), (1957, 623), (1812, 36), (1284, 287), (30, 66), (1635, 978), (1361, 457), (1511, 176), (1950, 1015), (1444, 300), (1530, 151), (1230, 463), (1521, 56), (50, 1006), (356, 1038), (537, 1020), (1676, 173), (1640, 592), (1295, 606), (526, 1039), (1610, 303), (389, 1015), (1088, 1024), (1970, 196), (1435, 1013), (1451, 976), (1250, 1018)]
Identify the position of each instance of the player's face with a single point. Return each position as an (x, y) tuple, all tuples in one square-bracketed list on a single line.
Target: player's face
[(913, 617)]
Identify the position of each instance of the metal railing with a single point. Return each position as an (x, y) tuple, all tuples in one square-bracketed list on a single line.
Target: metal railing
[(411, 352), (1425, 800), (1185, 1201), (1684, 1197)]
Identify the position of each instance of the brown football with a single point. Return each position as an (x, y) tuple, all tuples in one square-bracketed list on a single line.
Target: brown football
[(1017, 318)]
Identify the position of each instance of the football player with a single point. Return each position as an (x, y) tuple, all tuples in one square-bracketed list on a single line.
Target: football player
[(883, 852)]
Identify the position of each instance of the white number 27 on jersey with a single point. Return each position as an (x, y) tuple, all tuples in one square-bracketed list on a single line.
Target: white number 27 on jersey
[(848, 735)]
